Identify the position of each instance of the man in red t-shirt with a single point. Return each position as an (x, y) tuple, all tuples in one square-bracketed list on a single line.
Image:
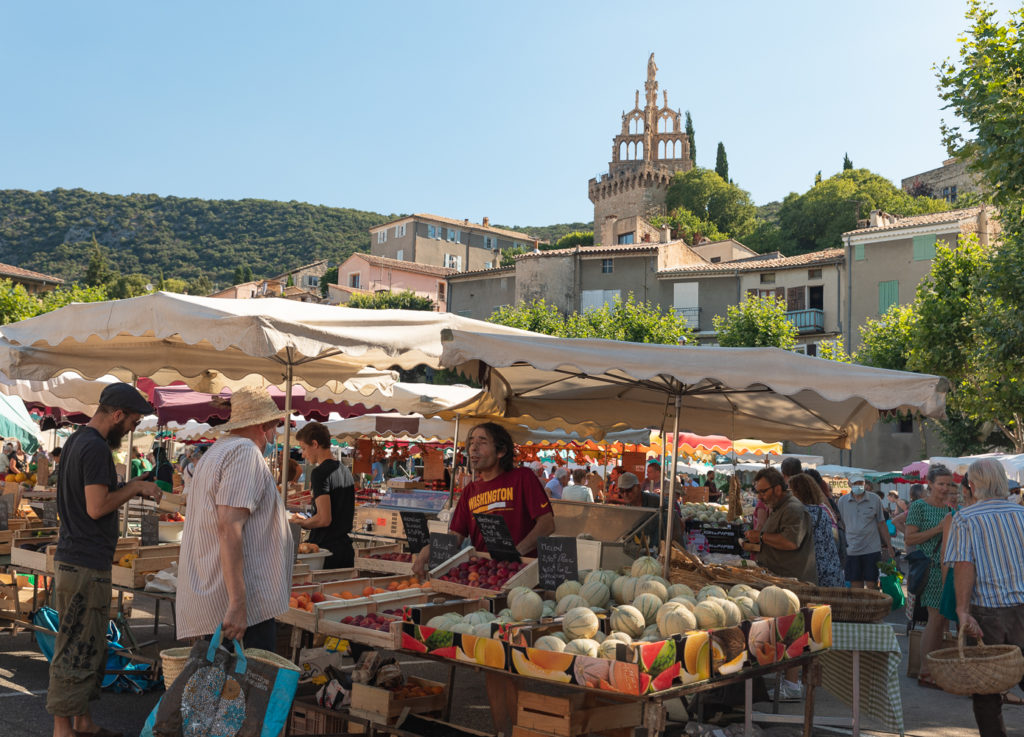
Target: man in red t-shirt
[(514, 493)]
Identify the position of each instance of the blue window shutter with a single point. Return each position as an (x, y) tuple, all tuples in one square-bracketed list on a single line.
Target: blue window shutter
[(858, 252), (888, 295), (924, 247)]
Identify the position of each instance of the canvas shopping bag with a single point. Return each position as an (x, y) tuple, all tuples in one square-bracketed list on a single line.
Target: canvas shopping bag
[(225, 694)]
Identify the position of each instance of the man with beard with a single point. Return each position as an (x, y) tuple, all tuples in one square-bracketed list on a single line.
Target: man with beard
[(88, 498)]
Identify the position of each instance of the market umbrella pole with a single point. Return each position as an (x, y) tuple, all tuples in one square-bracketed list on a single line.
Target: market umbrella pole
[(128, 467), (287, 428), (672, 488), (455, 464)]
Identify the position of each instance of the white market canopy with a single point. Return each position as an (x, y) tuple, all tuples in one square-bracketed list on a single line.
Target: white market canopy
[(67, 391), (766, 393)]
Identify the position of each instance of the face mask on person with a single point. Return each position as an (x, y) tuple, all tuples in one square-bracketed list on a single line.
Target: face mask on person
[(858, 490)]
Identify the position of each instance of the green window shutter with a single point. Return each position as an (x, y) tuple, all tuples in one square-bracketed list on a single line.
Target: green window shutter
[(924, 247), (858, 252), (888, 295)]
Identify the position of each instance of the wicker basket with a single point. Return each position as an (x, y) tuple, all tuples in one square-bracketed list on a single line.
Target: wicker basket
[(173, 661), (977, 669), (865, 606)]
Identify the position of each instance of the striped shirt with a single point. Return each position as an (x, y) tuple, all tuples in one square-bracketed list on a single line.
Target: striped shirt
[(233, 473), (990, 534)]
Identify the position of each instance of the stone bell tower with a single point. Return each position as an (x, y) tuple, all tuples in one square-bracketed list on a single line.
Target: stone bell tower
[(650, 148)]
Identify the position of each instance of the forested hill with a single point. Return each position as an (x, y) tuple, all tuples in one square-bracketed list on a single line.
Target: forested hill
[(53, 232)]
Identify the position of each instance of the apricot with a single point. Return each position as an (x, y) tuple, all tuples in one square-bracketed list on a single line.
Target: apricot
[(368, 590)]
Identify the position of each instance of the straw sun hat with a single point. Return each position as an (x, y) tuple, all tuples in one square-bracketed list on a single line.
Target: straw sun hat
[(250, 406)]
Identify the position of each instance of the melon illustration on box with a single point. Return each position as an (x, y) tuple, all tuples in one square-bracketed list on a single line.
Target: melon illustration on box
[(695, 657), (659, 661), (821, 627), (761, 641), (791, 636), (728, 650)]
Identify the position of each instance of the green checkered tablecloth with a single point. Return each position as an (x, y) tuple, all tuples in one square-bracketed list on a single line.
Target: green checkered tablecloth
[(880, 658)]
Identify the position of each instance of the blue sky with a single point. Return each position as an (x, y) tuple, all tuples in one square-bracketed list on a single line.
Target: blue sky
[(463, 109)]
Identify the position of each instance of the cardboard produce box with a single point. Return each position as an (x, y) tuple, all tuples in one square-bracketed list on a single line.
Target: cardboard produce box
[(381, 706)]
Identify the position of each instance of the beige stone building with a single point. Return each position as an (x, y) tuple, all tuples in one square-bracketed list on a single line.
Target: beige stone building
[(649, 149), (445, 242), (33, 281), (364, 273), (947, 182), (305, 286)]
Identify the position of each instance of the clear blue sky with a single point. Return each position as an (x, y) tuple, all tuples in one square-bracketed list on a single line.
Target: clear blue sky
[(462, 109)]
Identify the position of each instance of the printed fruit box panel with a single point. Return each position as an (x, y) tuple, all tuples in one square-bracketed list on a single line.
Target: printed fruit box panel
[(808, 630), (424, 613), (679, 660), (600, 673), (483, 651), (729, 649)]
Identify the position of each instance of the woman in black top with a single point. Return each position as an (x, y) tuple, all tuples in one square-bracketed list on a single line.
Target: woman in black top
[(334, 497)]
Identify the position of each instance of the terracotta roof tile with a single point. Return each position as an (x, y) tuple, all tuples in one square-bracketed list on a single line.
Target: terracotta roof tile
[(16, 272), (394, 263), (631, 248), (479, 272), (815, 258), (514, 234), (932, 218)]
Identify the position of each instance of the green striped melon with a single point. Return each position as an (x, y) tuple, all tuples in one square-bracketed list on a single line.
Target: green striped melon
[(644, 565), (681, 589), (654, 577), (609, 648), (620, 636), (777, 602), (604, 576), (742, 589), (570, 602), (527, 606), (652, 587), (580, 622), (686, 601), (549, 642), (596, 593), (567, 587), (675, 619), (584, 646), (648, 605), (624, 589), (627, 619), (709, 615), (733, 614), (716, 591), (515, 592), (748, 607)]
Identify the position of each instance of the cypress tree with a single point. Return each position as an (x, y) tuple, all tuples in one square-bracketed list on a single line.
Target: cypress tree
[(722, 163), (689, 134), (847, 164)]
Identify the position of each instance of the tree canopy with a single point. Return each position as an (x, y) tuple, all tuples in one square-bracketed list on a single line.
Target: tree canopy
[(712, 199), (722, 162), (756, 322), (17, 304), (630, 321), (405, 300)]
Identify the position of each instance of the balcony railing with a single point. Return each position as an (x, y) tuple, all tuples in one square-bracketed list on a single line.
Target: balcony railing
[(692, 315), (807, 321)]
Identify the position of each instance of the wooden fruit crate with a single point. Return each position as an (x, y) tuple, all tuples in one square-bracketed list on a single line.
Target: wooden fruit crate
[(568, 716), (390, 640), (151, 559), (364, 562), (7, 536), (308, 717), (528, 577), (34, 559), (329, 575), (380, 706)]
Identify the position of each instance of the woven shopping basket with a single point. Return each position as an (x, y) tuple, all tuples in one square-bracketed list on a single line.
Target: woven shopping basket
[(173, 661), (976, 669), (865, 606)]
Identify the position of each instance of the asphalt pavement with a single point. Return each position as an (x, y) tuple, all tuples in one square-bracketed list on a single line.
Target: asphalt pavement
[(23, 682)]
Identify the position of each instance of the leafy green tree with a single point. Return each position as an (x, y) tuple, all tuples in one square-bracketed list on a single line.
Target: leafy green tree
[(847, 164), (16, 303), (290, 282), (712, 199), (128, 285), (62, 296), (689, 134), (817, 178), (886, 342), (834, 350), (983, 88), (817, 219), (179, 286), (688, 227), (98, 273), (405, 300), (200, 286), (247, 273), (573, 239), (754, 323), (536, 316), (508, 255), (722, 163), (329, 277)]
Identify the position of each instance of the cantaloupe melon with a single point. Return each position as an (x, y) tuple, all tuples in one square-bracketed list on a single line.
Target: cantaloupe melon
[(567, 587), (570, 602), (580, 622), (709, 615), (584, 646), (624, 589), (620, 636), (515, 592), (549, 642), (596, 593), (609, 648), (716, 591), (627, 619), (644, 565), (686, 601), (733, 614), (652, 587), (648, 605), (674, 619), (748, 607), (680, 589), (654, 577), (527, 606), (774, 601)]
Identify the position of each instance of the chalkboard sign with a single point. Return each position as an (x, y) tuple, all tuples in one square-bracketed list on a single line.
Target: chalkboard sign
[(442, 547), (5, 512), (50, 514), (724, 539), (556, 561), (497, 538), (416, 532), (150, 528)]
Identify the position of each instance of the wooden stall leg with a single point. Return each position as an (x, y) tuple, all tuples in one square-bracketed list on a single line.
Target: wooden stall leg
[(654, 718), (502, 693), (811, 677), (748, 707), (156, 616), (446, 713), (856, 693)]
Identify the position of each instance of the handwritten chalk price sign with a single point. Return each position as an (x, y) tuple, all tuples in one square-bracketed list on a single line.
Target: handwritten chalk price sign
[(497, 538), (442, 547), (557, 561), (416, 533)]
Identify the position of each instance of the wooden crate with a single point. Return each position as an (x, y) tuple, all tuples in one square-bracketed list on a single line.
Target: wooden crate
[(19, 598), (34, 559), (151, 559), (364, 562), (390, 640), (308, 717), (528, 577), (7, 536), (329, 575), (380, 706), (568, 716)]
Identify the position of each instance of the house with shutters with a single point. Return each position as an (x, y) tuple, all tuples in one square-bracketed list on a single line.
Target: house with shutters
[(364, 273), (888, 256)]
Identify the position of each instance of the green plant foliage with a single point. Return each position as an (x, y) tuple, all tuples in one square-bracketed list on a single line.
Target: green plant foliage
[(128, 285), (834, 350), (688, 227), (549, 233), (16, 303), (690, 135), (631, 321), (712, 199), (330, 277), (886, 342), (391, 301), (722, 162), (847, 164), (57, 233), (817, 219), (984, 89), (755, 323), (62, 296), (573, 239)]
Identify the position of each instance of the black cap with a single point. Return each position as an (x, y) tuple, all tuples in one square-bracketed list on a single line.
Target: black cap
[(125, 396)]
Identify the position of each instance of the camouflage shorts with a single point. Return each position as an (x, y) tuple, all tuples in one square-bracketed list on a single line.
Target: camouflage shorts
[(81, 597)]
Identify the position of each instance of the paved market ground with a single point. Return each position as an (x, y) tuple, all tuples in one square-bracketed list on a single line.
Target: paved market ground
[(23, 680)]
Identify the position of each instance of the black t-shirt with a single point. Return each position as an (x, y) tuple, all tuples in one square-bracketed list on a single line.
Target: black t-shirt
[(333, 480), (84, 541)]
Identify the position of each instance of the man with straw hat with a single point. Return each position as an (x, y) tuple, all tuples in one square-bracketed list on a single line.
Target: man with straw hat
[(88, 499), (235, 567)]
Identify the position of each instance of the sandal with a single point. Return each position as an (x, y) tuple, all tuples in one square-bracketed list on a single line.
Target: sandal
[(1011, 699), (927, 682)]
